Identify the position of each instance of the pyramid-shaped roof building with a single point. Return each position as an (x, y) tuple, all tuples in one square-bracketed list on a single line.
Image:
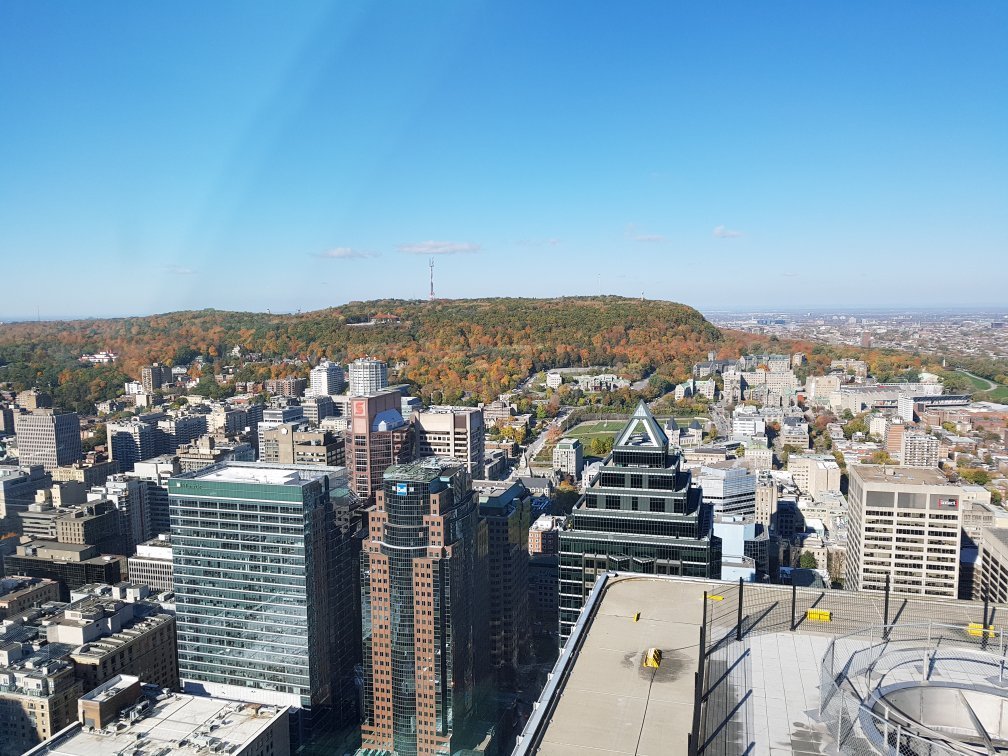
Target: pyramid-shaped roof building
[(642, 430)]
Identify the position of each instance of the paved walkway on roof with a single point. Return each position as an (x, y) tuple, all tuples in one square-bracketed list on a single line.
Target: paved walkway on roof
[(612, 704), (763, 696)]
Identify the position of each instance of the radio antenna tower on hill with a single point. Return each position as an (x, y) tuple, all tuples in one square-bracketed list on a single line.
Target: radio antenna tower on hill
[(432, 279)]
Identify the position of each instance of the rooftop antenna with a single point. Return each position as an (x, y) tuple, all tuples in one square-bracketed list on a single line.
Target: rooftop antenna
[(432, 279)]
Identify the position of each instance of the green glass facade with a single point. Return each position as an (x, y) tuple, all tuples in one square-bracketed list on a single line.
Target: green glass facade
[(255, 551)]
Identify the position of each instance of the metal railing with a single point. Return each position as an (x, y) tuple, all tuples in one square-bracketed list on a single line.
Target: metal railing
[(735, 611), (849, 704)]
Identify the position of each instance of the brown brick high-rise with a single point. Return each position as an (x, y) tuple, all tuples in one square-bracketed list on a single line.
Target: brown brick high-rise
[(422, 567)]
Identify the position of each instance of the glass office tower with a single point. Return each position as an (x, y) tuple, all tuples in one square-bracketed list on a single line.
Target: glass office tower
[(639, 515), (422, 568), (255, 552)]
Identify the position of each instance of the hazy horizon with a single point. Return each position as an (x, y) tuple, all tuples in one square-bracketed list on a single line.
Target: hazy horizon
[(704, 310)]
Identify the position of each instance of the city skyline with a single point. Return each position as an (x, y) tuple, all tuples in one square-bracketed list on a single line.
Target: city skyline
[(712, 156)]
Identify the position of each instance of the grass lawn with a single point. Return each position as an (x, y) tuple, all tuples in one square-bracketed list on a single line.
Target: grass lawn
[(977, 383), (591, 429), (1000, 394), (585, 432), (980, 392)]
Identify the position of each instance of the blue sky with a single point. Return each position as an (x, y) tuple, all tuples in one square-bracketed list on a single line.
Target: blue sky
[(290, 156)]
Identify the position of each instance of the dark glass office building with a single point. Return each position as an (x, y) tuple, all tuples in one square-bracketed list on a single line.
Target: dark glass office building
[(639, 515), (422, 567)]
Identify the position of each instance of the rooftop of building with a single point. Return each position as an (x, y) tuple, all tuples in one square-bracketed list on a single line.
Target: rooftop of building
[(997, 534), (422, 470), (11, 471), (106, 646), (69, 548), (814, 457), (163, 541), (500, 493), (547, 522), (728, 468), (447, 409), (534, 481), (642, 430), (711, 449), (759, 695), (260, 473), (899, 475), (173, 723), (13, 586)]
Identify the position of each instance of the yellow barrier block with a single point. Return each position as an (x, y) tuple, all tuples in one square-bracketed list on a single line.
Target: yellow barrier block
[(716, 598), (652, 658), (977, 630), (819, 615), (636, 617)]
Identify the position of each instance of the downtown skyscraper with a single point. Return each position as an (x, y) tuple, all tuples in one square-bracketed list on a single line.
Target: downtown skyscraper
[(640, 514), (257, 568), (423, 581)]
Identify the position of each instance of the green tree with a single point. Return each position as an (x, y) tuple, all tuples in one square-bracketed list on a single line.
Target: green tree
[(98, 438), (787, 451), (808, 561), (974, 475), (564, 497), (184, 356), (881, 457), (856, 425), (209, 388)]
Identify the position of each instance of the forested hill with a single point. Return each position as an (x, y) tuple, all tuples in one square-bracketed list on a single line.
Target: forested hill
[(476, 346)]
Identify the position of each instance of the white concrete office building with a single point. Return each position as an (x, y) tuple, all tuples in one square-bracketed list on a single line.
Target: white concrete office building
[(904, 522), (815, 474), (367, 377), (568, 457), (152, 564), (729, 489), (326, 379), (456, 432), (919, 449), (48, 437)]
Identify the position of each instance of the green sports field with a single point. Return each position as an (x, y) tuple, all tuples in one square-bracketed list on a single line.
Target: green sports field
[(591, 429)]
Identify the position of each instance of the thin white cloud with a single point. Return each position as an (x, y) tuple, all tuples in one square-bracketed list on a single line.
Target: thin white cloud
[(346, 253), (634, 234), (439, 248), (551, 242), (178, 270), (721, 232)]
